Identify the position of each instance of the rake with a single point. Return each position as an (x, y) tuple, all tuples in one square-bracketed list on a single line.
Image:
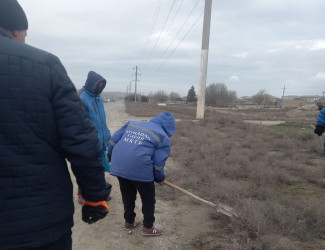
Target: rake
[(221, 207)]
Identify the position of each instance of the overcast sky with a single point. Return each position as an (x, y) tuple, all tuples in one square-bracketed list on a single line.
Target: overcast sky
[(254, 44)]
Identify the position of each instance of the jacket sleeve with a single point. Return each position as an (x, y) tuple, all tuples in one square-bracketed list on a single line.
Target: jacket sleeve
[(160, 156), (116, 138), (109, 135), (321, 118), (77, 135)]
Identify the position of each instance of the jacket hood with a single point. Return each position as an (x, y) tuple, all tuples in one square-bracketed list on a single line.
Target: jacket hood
[(166, 121), (93, 83)]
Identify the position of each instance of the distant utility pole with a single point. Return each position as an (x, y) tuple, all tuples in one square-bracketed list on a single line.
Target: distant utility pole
[(136, 81), (204, 60), (282, 101)]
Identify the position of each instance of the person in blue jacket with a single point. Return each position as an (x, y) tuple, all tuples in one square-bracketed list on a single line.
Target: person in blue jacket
[(320, 125), (94, 106), (138, 152)]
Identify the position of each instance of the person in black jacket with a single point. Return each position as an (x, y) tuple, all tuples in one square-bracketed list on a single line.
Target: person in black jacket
[(42, 124)]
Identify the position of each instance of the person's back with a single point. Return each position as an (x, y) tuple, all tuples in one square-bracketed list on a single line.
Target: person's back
[(41, 123), (136, 150), (138, 153)]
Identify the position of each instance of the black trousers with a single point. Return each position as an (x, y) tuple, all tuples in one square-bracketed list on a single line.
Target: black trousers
[(146, 190)]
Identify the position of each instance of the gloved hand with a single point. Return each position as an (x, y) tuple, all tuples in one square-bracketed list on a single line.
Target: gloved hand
[(159, 180), (319, 130), (94, 211)]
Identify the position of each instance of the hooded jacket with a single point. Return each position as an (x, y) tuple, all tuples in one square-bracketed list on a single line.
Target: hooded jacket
[(139, 150), (95, 107), (42, 124)]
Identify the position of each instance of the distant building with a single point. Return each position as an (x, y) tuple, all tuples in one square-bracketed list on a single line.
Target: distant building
[(306, 98)]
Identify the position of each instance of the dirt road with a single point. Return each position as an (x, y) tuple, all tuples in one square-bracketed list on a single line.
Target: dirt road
[(180, 218)]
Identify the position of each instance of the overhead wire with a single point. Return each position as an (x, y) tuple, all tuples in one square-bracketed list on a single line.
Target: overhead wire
[(179, 7), (172, 21), (181, 41), (159, 35), (181, 28), (153, 23)]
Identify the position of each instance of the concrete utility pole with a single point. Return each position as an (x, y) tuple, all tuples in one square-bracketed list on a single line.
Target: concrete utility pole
[(282, 102), (204, 60), (136, 81)]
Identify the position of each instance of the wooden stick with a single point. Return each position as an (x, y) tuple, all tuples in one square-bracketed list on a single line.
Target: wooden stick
[(221, 208), (167, 183)]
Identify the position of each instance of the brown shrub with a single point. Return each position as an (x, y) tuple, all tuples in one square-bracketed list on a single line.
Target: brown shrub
[(274, 178)]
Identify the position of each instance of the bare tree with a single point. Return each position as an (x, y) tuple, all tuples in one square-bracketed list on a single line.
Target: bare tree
[(217, 94), (173, 96), (160, 96), (261, 97)]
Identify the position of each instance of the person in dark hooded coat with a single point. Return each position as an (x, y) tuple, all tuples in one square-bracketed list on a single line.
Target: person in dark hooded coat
[(138, 152), (93, 104), (42, 126)]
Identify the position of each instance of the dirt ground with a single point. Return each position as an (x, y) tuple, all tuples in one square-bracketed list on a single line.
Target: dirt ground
[(181, 218)]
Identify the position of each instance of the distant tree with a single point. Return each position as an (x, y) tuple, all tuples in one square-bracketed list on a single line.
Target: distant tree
[(261, 97), (217, 94), (131, 97), (160, 96), (144, 98), (173, 96), (191, 95), (232, 95)]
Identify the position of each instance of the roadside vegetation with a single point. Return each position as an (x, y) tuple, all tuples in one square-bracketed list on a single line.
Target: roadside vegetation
[(274, 176)]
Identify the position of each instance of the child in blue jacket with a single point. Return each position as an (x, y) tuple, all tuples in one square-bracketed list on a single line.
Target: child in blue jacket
[(94, 106), (138, 152)]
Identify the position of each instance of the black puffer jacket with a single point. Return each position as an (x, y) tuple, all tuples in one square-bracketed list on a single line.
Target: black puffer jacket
[(41, 125)]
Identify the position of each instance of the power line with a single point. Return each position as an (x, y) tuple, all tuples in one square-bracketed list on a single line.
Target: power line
[(180, 41), (181, 28), (159, 35), (179, 7), (172, 21), (153, 23)]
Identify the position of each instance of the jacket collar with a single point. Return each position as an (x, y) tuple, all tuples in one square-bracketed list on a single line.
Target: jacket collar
[(4, 33)]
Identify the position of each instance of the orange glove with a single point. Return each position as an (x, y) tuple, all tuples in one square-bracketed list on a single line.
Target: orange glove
[(94, 211)]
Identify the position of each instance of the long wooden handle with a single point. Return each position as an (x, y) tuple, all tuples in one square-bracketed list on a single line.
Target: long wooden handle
[(221, 208), (167, 183)]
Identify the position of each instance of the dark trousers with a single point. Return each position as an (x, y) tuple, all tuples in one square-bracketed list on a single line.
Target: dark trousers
[(146, 190), (64, 243)]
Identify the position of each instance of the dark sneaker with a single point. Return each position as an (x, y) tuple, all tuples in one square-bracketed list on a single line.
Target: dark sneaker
[(108, 198), (130, 226), (151, 231)]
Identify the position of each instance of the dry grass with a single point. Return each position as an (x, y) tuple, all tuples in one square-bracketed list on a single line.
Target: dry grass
[(274, 176), (180, 111)]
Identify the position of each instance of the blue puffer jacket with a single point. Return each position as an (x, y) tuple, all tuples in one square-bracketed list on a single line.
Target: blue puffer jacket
[(41, 124), (95, 107), (321, 118), (139, 150)]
